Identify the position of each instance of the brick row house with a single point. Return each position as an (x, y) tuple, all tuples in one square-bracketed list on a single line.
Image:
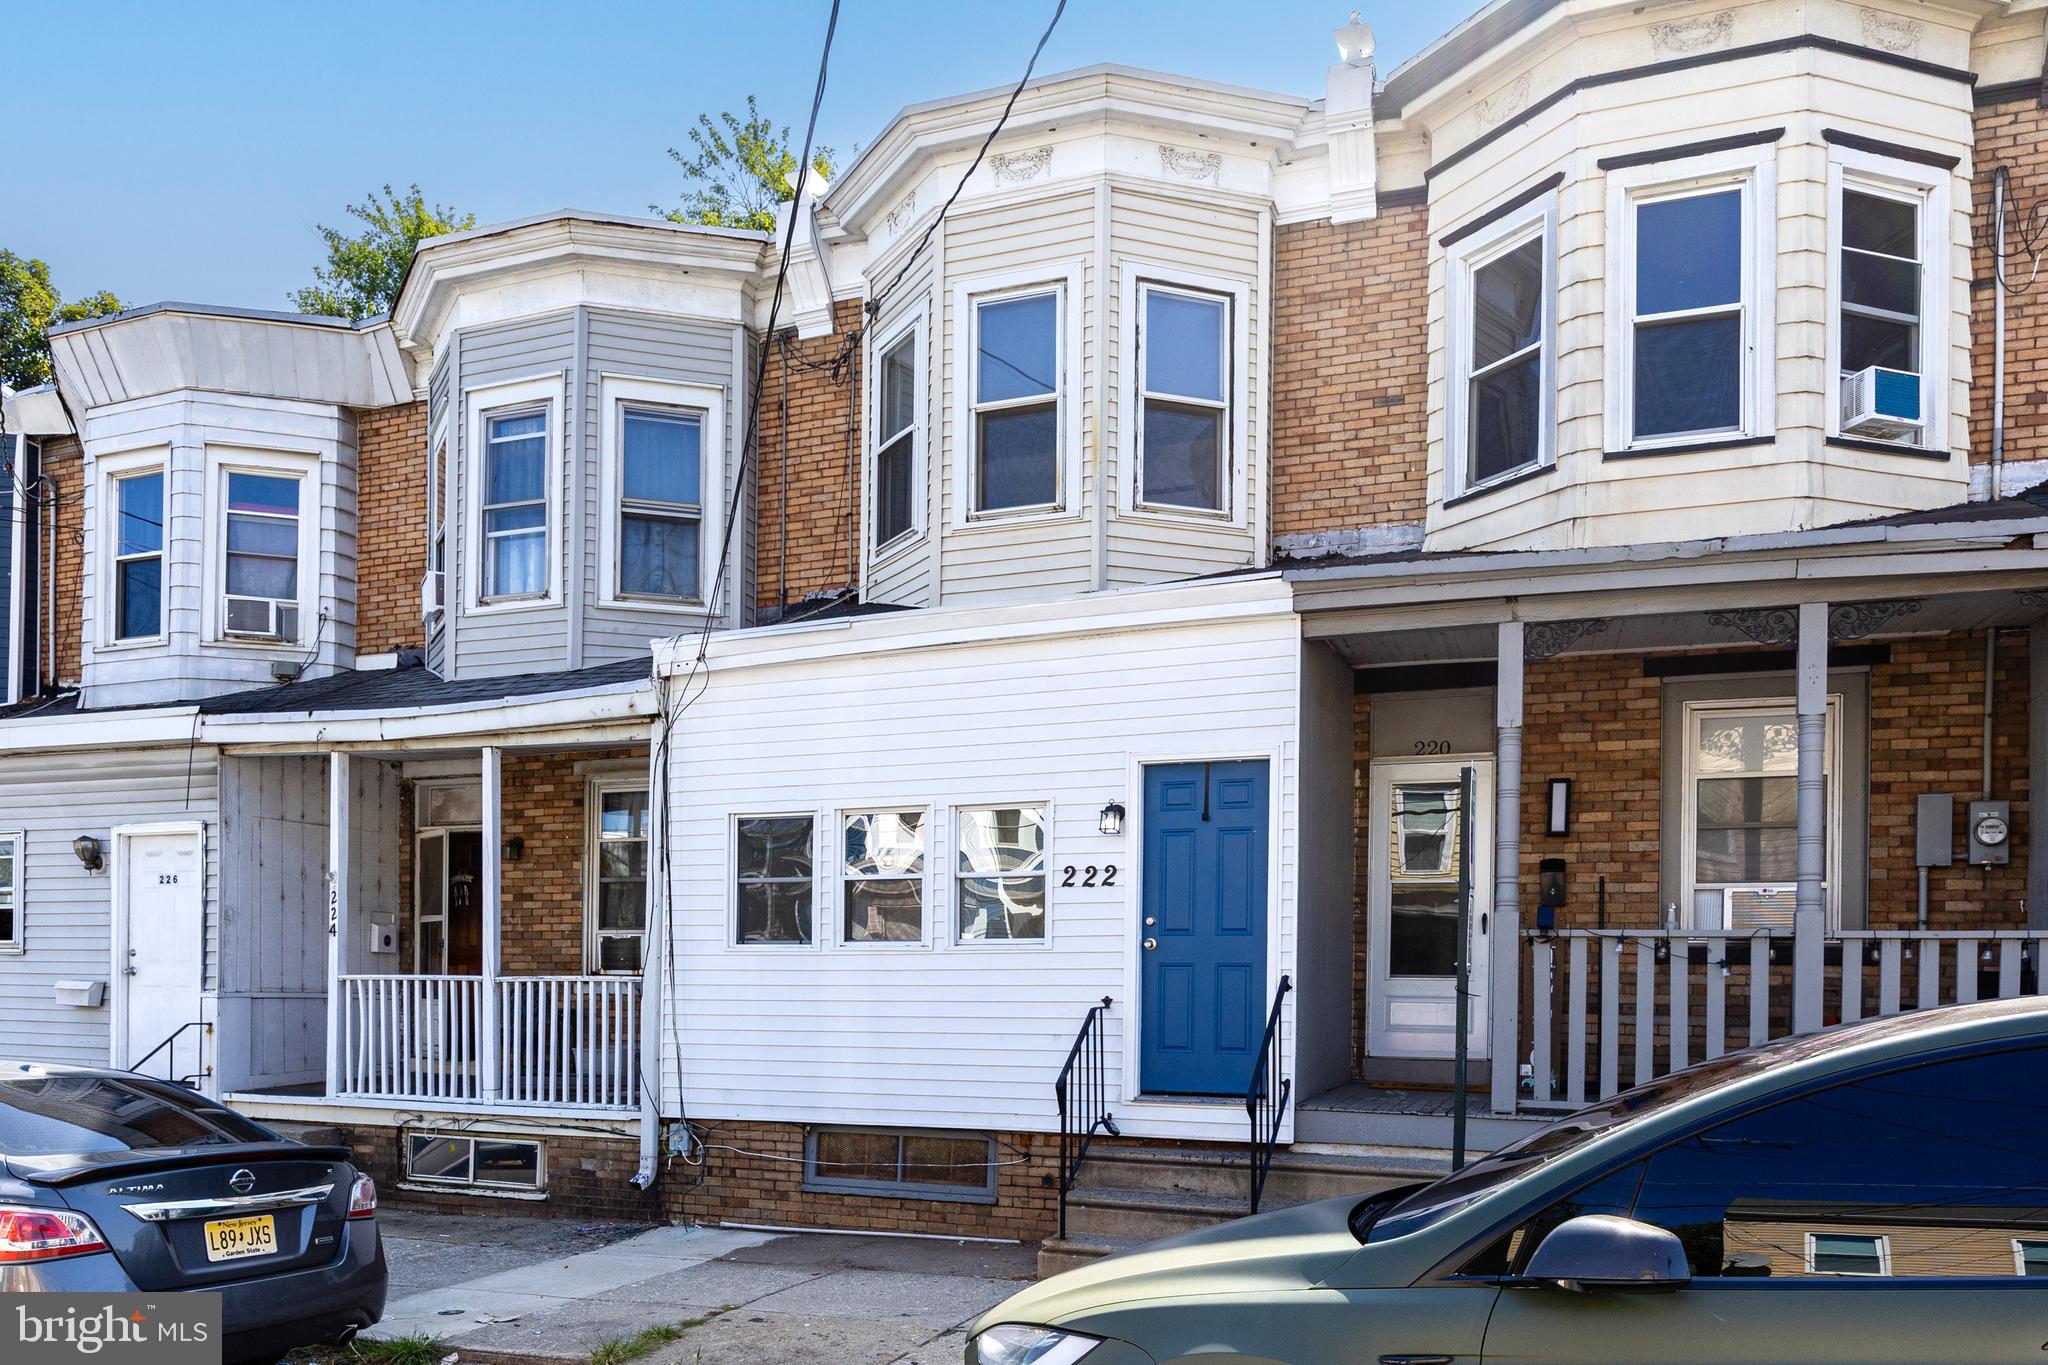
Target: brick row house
[(1589, 477)]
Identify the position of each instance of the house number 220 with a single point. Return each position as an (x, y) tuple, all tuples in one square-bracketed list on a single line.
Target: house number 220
[(1088, 876)]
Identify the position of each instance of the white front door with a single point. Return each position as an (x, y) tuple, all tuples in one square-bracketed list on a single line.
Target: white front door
[(158, 941), (1412, 907)]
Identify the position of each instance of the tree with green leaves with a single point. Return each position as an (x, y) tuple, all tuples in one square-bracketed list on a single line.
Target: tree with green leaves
[(29, 307), (740, 170), (363, 271)]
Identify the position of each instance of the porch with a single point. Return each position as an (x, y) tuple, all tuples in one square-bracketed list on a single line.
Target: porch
[(1703, 816), (485, 914)]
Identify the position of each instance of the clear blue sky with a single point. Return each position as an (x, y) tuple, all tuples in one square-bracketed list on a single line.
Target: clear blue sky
[(186, 151)]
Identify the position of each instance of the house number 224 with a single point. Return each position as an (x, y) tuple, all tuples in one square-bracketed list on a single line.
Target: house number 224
[(1088, 876)]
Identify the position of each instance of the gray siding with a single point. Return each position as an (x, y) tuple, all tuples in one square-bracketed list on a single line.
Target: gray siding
[(66, 911)]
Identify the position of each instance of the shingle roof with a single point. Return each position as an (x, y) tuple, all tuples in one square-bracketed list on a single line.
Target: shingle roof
[(393, 689)]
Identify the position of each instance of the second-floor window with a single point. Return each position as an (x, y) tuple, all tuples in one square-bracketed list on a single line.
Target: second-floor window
[(1888, 298), (1500, 337), (1016, 401), (660, 503), (139, 556), (896, 425), (514, 504), (1686, 332), (1183, 404), (261, 557)]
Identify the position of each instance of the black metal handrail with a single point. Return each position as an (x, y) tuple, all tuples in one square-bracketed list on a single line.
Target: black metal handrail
[(1265, 1103), (1083, 1094), (171, 1062)]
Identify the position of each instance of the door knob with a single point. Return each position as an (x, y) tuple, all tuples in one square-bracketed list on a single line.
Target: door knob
[(1150, 944), (129, 971)]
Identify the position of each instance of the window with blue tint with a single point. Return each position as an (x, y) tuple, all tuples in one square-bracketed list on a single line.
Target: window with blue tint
[(1183, 349), (261, 556), (514, 505), (1688, 331), (139, 556), (661, 452), (1016, 402), (1506, 325)]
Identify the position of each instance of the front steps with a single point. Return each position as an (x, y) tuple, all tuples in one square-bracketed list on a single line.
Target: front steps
[(1128, 1196)]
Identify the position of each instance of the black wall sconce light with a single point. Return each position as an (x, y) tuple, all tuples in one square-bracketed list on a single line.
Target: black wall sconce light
[(1111, 822), (88, 850), (515, 849), (1559, 823)]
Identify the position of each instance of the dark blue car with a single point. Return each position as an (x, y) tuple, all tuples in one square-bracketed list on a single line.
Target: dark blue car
[(116, 1183)]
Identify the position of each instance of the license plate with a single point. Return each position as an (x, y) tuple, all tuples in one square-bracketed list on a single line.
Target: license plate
[(231, 1239)]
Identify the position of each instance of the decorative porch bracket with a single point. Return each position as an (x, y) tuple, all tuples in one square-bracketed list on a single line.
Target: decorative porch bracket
[(1548, 639), (1781, 625)]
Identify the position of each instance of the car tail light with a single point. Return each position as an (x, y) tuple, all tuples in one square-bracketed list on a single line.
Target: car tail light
[(45, 1235), (362, 1198)]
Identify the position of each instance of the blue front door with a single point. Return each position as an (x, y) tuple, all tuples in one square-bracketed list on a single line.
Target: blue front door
[(1202, 927)]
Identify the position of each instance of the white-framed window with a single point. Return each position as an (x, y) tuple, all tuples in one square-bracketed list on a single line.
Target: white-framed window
[(1888, 285), (1183, 336), (1015, 394), (2029, 1257), (13, 848), (775, 884), (435, 596), (1000, 881), (1691, 295), (135, 522), (262, 535), (896, 502), (660, 455), (1741, 850), (1500, 417), (1848, 1253), (615, 903), (510, 555), (882, 890)]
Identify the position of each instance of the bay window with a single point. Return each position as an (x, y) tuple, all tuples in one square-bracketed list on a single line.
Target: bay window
[(1889, 280), (661, 503), (1001, 876), (514, 505), (898, 405), (138, 578), (1016, 401), (1183, 407), (1499, 422), (883, 878), (260, 549)]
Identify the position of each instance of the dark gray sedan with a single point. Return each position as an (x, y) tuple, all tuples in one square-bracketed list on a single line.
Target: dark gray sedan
[(116, 1183)]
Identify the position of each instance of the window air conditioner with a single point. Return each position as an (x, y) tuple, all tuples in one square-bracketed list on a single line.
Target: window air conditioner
[(432, 587), (261, 618), (1759, 907), (1881, 404)]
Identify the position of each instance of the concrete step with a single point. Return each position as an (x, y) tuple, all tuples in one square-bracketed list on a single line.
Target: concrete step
[(1294, 1178), (1067, 1253), (1146, 1215)]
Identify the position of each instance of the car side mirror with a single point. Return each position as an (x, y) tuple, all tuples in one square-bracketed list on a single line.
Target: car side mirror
[(1601, 1251)]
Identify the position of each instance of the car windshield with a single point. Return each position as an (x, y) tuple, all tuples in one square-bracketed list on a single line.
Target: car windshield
[(1424, 1207), (62, 1115)]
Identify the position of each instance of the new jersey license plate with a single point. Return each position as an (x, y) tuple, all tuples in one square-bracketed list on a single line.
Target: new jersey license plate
[(231, 1239)]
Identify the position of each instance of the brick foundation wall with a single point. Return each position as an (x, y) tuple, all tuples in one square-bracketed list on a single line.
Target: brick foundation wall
[(762, 1182), (391, 527), (2014, 134), (821, 504), (1350, 390)]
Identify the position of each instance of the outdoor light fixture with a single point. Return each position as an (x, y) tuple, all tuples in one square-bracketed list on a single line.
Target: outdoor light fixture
[(88, 850), (515, 849), (1112, 820), (1560, 822)]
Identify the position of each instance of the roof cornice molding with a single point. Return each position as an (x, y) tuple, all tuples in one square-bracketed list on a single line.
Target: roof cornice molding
[(446, 267), (176, 347)]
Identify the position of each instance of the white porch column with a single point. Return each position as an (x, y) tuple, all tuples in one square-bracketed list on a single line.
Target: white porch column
[(338, 908), (1810, 917), (1504, 1018), (494, 844)]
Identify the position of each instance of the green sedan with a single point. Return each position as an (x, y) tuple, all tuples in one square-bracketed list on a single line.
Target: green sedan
[(1878, 1192)]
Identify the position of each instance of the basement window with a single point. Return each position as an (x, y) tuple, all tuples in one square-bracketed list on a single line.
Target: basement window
[(462, 1159), (907, 1164)]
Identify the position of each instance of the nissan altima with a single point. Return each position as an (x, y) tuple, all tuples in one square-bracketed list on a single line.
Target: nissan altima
[(1877, 1192), (115, 1183)]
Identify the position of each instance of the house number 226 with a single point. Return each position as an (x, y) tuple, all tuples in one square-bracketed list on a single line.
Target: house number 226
[(1088, 876), (166, 879)]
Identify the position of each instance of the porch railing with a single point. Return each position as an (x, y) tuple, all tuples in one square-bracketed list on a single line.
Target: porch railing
[(1082, 1094), (570, 1041), (1265, 1099), (1611, 1008)]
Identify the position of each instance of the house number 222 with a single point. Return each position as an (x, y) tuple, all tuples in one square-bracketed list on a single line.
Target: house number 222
[(1088, 876)]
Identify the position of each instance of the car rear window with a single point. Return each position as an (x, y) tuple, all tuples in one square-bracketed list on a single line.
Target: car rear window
[(81, 1115)]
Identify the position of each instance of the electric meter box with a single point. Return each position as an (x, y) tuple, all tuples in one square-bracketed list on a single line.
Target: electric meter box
[(1989, 829)]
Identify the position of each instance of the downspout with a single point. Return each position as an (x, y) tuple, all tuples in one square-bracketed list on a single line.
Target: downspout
[(1999, 176), (782, 488)]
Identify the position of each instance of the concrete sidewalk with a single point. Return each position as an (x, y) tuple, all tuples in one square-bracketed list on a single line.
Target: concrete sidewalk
[(534, 1290)]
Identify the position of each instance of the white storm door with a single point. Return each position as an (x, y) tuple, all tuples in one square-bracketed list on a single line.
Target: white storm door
[(158, 942), (1412, 907)]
